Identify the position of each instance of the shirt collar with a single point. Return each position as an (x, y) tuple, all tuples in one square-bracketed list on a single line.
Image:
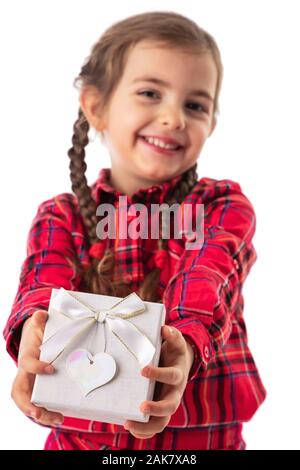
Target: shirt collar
[(103, 190)]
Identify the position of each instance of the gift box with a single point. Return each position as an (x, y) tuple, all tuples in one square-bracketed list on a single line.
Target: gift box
[(98, 345)]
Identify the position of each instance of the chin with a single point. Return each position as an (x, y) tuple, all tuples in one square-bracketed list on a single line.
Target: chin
[(159, 174), (159, 177)]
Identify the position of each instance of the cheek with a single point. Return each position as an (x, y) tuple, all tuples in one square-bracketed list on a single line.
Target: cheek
[(197, 141), (131, 126), (138, 118), (199, 135), (125, 120)]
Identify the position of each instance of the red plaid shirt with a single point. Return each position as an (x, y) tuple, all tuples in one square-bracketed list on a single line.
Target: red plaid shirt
[(202, 293)]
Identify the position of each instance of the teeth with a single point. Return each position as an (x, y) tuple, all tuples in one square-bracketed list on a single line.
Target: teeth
[(159, 143)]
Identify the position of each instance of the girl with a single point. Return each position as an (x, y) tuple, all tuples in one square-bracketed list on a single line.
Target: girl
[(152, 80)]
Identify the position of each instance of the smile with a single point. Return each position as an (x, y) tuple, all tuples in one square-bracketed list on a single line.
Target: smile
[(161, 148)]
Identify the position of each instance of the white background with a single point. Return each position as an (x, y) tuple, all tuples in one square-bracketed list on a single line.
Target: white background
[(256, 142)]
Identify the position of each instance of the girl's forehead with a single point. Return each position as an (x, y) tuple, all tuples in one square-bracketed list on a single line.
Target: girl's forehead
[(150, 54), (151, 59), (151, 47)]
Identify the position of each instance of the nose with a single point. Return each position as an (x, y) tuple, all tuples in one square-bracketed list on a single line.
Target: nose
[(173, 117)]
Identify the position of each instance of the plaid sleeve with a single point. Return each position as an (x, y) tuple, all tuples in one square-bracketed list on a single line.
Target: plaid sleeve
[(50, 263), (200, 298)]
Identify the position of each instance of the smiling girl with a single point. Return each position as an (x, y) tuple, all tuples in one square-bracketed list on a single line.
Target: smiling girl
[(150, 87)]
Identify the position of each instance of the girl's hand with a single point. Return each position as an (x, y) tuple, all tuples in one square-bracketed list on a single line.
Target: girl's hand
[(175, 362), (29, 365)]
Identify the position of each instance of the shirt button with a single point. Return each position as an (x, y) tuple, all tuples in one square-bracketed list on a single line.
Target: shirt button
[(206, 352), (236, 264)]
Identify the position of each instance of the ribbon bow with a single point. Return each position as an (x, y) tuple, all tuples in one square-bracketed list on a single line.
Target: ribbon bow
[(85, 317)]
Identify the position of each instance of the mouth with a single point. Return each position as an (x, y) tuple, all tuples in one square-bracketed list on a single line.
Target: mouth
[(160, 150)]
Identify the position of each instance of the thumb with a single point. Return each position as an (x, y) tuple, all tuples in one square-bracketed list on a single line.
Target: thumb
[(39, 317), (174, 339), (170, 333)]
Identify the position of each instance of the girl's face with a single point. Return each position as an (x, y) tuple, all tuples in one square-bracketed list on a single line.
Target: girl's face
[(142, 107)]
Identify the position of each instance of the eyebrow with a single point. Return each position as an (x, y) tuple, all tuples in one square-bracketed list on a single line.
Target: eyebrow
[(158, 81)]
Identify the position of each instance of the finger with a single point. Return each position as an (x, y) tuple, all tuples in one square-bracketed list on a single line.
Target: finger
[(164, 407), (39, 318), (21, 394), (142, 436), (168, 375), (155, 425), (173, 336), (35, 366), (48, 418), (34, 326)]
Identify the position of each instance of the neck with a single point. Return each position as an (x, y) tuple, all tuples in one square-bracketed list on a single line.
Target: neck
[(128, 184)]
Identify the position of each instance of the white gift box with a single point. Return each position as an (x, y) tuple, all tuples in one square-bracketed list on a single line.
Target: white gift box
[(82, 328)]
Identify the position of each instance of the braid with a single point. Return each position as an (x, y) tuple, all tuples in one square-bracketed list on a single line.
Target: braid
[(77, 174), (94, 278)]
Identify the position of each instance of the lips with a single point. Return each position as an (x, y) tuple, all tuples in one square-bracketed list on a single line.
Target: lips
[(159, 150), (164, 139)]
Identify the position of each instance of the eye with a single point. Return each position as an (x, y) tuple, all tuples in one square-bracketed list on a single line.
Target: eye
[(203, 109), (147, 91)]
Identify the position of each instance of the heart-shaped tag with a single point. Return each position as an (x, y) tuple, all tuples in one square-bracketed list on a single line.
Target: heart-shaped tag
[(90, 372)]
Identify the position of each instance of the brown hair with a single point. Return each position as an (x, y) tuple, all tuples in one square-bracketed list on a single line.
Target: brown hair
[(103, 70)]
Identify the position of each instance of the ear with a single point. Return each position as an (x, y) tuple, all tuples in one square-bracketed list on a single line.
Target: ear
[(90, 103), (213, 125)]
